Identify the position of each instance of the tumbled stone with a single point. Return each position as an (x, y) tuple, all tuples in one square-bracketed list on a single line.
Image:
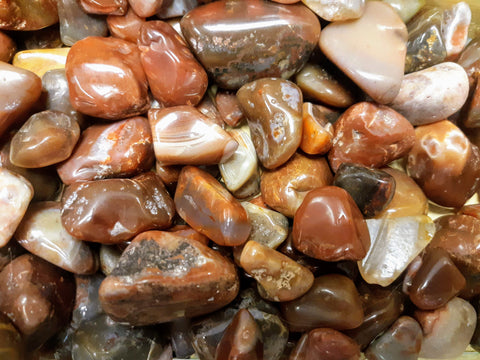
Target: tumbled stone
[(242, 339), (10, 252), (208, 108), (395, 243), (444, 164), (338, 10), (448, 330), (76, 24), (333, 301), (173, 9), (42, 60), (470, 118), (317, 131), (104, 7), (456, 21), (10, 340), (406, 9), (126, 27), (279, 277), (186, 231), (371, 135), (229, 108), (469, 59), (249, 189), (109, 256), (28, 15), (47, 138), (372, 190), (41, 232), (146, 8), (174, 75), (284, 189), (210, 209), (273, 108), (121, 95), (121, 149), (19, 92), (475, 341), (408, 199), (229, 50), (344, 234), (436, 281), (14, 199), (115, 210), (168, 173), (401, 342), (38, 298), (46, 38), (432, 94), (319, 84), (161, 277), (370, 50), (7, 47)]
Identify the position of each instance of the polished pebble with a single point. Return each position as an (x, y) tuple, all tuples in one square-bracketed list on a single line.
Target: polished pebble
[(126, 27), (406, 9), (146, 8), (104, 7), (42, 60), (337, 11), (456, 21), (317, 130), (7, 47), (28, 15), (229, 108)]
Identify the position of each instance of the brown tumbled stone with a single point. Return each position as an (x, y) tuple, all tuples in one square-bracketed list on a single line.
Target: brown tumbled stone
[(7, 47), (28, 15), (317, 134), (161, 277), (126, 27), (146, 8), (229, 108), (189, 233), (104, 7), (210, 209), (10, 340)]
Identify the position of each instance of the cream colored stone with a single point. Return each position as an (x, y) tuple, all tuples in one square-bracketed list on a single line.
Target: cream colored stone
[(336, 10), (456, 22)]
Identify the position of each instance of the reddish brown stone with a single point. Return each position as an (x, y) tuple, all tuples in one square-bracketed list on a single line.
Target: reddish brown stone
[(146, 8), (229, 108), (168, 173), (317, 134), (126, 27), (186, 231), (371, 135), (7, 47), (104, 7), (329, 344), (27, 15)]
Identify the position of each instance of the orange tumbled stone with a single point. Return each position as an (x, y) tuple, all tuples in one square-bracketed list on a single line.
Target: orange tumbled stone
[(104, 7), (126, 27), (317, 133)]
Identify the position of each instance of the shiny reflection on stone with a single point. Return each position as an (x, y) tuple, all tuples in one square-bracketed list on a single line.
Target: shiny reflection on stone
[(126, 27), (40, 61), (317, 132)]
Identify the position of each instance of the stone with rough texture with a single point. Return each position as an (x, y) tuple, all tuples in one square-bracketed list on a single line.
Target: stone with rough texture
[(370, 50), (28, 15), (338, 10), (317, 130), (41, 60), (126, 27)]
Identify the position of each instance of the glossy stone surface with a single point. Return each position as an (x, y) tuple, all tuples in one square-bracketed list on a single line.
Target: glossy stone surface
[(432, 94), (109, 256), (46, 38), (224, 36), (177, 8), (242, 339), (104, 7), (395, 243), (28, 15), (406, 9), (161, 277), (273, 108), (456, 21), (87, 305), (14, 199), (371, 135), (338, 10), (121, 149), (10, 340), (210, 209), (7, 47), (372, 190), (76, 24), (448, 330), (38, 298), (469, 59), (47, 138), (333, 301), (119, 96), (229, 108), (285, 188), (174, 75), (444, 163), (401, 342), (10, 252), (317, 131), (436, 282), (21, 89), (370, 50), (470, 118), (279, 277), (344, 234), (115, 210), (42, 60), (146, 8), (126, 27), (183, 135), (187, 232)]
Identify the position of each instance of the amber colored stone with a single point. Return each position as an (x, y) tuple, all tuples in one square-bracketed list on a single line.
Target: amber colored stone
[(208, 108), (28, 15), (174, 75), (284, 189), (115, 210), (21, 89), (242, 339), (344, 234), (123, 91), (161, 277), (104, 7), (186, 231), (42, 60), (229, 108), (37, 296), (401, 342), (10, 340), (146, 8), (7, 47), (332, 301), (126, 27), (224, 36), (168, 173), (121, 149), (317, 132), (279, 277), (47, 138), (444, 163), (210, 209), (273, 108), (371, 135)]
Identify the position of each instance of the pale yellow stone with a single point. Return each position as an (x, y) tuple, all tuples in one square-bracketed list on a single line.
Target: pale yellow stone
[(40, 61)]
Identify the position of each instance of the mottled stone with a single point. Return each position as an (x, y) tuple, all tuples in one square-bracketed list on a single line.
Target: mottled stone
[(406, 9), (104, 7), (336, 10), (126, 27), (42, 60), (119, 96), (273, 108), (7, 47), (371, 135), (115, 210), (317, 130), (161, 277), (224, 35), (285, 188), (28, 15), (432, 94), (210, 209), (333, 301), (121, 149), (146, 8), (456, 21), (325, 344), (370, 50), (229, 108), (444, 164)]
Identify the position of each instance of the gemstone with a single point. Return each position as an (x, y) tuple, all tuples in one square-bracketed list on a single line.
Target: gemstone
[(338, 10), (41, 60), (317, 131)]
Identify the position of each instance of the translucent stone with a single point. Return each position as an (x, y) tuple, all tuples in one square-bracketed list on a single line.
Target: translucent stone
[(317, 134), (42, 60), (87, 304), (456, 21), (28, 15), (126, 27), (104, 7), (176, 8), (395, 243), (406, 8), (109, 256), (229, 107), (337, 10)]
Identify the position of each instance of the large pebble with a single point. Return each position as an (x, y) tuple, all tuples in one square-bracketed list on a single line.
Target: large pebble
[(126, 27), (39, 61), (28, 15), (7, 47)]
